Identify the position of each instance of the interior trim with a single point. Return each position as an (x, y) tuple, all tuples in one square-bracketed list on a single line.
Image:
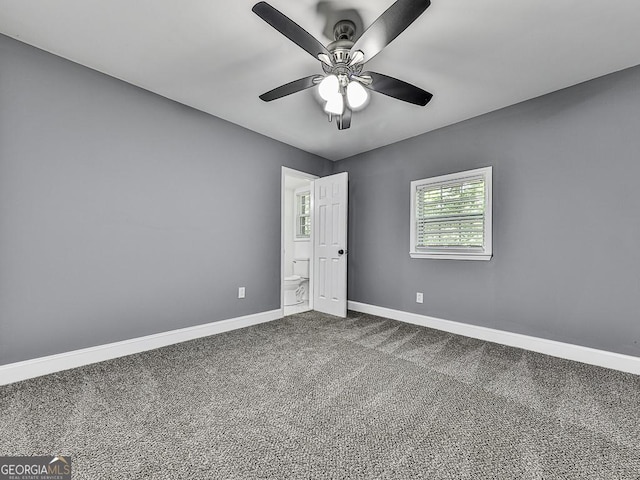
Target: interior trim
[(15, 372), (569, 351)]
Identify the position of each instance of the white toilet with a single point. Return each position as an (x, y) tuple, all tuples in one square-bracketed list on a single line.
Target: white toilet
[(295, 286)]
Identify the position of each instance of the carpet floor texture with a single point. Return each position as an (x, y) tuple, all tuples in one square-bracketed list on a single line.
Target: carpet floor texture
[(313, 396)]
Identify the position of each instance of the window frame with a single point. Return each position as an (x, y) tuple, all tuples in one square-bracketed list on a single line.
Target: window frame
[(300, 192), (456, 253)]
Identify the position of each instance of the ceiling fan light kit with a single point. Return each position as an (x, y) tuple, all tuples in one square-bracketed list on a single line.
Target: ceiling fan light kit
[(332, 90), (344, 85)]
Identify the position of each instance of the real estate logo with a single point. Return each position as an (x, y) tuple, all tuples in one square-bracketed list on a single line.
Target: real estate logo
[(55, 467)]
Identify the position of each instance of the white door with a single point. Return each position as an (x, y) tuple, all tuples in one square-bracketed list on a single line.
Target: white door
[(330, 245)]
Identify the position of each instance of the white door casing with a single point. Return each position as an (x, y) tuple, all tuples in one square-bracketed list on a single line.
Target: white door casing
[(330, 244)]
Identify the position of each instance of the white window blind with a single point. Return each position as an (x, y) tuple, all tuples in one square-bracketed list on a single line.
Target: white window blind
[(451, 216)]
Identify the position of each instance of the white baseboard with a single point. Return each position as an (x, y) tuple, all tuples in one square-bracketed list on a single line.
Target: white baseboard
[(592, 356), (15, 372)]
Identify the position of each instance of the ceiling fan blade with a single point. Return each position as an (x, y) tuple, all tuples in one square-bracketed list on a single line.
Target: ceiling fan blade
[(344, 120), (395, 88), (291, 87), (388, 26), (289, 29)]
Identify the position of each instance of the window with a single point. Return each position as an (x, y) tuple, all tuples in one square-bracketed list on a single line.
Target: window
[(451, 216), (303, 215)]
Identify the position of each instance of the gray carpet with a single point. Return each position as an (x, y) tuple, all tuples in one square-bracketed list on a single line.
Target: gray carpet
[(313, 396)]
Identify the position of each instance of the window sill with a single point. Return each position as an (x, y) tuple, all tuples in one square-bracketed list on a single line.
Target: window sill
[(451, 256)]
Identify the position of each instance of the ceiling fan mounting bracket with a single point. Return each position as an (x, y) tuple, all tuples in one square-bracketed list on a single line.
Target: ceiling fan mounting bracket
[(344, 30)]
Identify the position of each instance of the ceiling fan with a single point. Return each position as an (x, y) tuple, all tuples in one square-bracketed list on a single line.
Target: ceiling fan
[(344, 85)]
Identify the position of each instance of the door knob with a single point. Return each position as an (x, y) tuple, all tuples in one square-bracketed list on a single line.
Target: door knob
[(342, 252)]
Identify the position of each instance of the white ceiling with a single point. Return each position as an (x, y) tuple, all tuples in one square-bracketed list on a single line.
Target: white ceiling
[(218, 57)]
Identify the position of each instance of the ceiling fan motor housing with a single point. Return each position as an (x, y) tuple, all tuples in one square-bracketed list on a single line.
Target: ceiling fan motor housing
[(341, 57), (344, 32)]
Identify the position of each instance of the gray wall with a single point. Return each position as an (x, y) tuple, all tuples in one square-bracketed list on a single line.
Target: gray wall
[(566, 227), (124, 214)]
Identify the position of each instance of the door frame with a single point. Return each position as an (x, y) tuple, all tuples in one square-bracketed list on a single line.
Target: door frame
[(290, 172)]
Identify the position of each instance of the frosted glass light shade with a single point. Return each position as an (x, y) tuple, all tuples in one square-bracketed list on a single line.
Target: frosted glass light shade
[(329, 86), (335, 104), (356, 95)]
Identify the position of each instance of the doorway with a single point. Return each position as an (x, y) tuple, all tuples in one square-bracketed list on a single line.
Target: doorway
[(296, 279), (313, 274)]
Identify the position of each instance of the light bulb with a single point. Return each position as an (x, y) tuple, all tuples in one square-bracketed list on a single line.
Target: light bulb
[(356, 95), (328, 87), (335, 104)]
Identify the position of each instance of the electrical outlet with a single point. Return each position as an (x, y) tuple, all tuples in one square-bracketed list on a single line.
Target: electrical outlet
[(240, 292), (418, 297)]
